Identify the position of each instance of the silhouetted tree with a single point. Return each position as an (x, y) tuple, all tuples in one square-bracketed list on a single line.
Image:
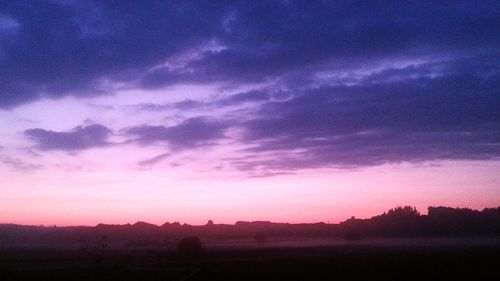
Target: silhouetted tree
[(351, 231), (190, 247), (406, 211)]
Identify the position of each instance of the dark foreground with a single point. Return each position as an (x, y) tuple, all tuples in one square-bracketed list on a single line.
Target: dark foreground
[(341, 262)]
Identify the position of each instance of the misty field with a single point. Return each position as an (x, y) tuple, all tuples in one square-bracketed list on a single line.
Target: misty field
[(280, 259)]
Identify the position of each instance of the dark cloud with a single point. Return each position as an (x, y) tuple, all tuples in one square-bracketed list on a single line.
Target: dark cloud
[(77, 139), (55, 49), (441, 110), (394, 120), (190, 133), (75, 48), (345, 83), (267, 40)]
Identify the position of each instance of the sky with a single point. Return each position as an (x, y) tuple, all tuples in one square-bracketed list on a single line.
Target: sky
[(289, 111)]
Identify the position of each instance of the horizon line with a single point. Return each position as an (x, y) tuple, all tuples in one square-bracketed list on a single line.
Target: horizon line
[(243, 221)]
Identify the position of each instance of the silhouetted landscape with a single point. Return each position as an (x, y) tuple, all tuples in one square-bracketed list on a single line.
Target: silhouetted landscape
[(249, 140), (401, 241), (398, 222)]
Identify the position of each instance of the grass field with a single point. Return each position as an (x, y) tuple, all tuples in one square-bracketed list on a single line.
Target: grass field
[(401, 260)]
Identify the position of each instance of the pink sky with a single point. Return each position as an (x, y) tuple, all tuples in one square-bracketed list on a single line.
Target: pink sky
[(190, 195)]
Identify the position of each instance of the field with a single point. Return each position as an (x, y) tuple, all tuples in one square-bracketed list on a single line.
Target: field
[(476, 259)]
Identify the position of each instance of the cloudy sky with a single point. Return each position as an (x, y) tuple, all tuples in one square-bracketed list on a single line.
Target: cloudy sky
[(297, 111)]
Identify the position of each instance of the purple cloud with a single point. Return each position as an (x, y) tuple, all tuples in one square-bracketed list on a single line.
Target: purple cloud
[(81, 137), (362, 86), (450, 117), (61, 49), (190, 133)]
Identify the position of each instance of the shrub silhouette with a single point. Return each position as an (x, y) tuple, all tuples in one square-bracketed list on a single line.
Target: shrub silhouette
[(351, 230), (403, 212), (399, 221), (190, 247)]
